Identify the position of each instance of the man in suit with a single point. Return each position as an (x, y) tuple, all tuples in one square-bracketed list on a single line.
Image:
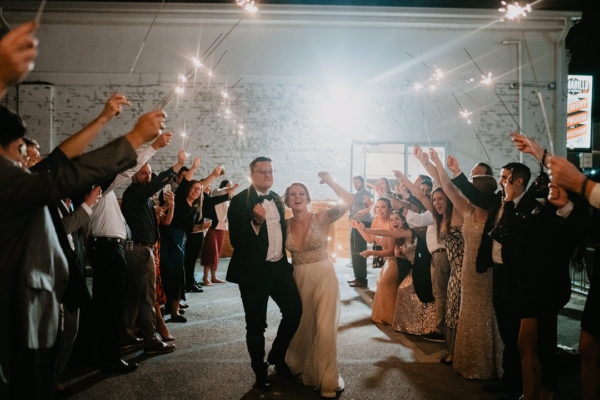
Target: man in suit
[(496, 255), (35, 272), (257, 231)]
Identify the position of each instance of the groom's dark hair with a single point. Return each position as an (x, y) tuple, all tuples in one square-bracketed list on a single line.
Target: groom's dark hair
[(257, 160)]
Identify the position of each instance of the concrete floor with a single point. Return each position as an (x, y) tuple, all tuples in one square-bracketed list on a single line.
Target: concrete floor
[(211, 360)]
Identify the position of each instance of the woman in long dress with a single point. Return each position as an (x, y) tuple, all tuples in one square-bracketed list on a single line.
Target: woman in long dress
[(384, 302), (449, 230), (478, 347), (312, 354)]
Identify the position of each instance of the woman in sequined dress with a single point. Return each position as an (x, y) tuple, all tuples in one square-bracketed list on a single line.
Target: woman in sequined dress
[(448, 226), (312, 354), (478, 346)]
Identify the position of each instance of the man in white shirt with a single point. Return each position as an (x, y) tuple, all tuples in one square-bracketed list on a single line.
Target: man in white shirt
[(257, 231)]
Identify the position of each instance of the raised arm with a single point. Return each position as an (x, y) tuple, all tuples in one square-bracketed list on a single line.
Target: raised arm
[(396, 234), (218, 171), (529, 146), (360, 227), (416, 191), (333, 214), (76, 143), (424, 160), (170, 203), (460, 202), (478, 198)]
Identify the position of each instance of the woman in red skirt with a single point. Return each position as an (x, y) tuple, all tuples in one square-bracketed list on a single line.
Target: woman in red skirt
[(216, 210)]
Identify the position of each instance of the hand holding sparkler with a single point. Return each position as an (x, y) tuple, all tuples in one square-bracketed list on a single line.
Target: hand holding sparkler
[(113, 107), (557, 196), (148, 127), (452, 164), (566, 175), (435, 158), (420, 154), (527, 145), (18, 49), (162, 141)]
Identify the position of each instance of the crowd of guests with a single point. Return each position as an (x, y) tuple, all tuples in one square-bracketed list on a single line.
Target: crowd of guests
[(482, 265), (61, 213), (485, 270)]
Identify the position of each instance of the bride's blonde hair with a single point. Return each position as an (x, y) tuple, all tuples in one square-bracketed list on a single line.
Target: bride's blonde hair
[(286, 196)]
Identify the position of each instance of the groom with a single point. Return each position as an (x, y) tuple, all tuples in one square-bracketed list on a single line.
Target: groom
[(257, 232)]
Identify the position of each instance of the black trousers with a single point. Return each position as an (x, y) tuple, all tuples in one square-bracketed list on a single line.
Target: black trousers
[(193, 246), (508, 315), (359, 263), (107, 258), (279, 284)]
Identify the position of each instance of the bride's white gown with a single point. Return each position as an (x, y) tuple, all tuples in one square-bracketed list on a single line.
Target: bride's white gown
[(313, 351)]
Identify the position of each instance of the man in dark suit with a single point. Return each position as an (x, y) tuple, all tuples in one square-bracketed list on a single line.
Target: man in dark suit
[(496, 255), (257, 231)]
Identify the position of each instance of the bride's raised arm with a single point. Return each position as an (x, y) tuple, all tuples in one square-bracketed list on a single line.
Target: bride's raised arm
[(334, 213)]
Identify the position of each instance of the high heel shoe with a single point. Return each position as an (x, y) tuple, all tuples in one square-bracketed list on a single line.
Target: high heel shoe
[(164, 338)]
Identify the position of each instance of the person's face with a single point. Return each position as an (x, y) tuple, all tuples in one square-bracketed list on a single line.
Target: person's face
[(262, 175), (33, 156), (14, 151), (504, 174), (426, 189), (440, 202), (144, 175), (477, 170), (298, 198), (357, 184), (195, 191), (382, 210), (395, 221)]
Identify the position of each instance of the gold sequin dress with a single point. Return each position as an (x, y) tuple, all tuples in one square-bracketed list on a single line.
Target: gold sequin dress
[(313, 350), (478, 347)]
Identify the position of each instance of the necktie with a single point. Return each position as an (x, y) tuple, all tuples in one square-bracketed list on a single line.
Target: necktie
[(262, 198)]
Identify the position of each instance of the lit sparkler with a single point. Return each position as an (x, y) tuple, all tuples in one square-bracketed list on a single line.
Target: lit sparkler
[(438, 74), (248, 5), (183, 135), (466, 114), (486, 79), (514, 10)]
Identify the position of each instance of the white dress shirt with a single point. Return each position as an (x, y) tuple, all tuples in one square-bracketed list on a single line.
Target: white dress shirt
[(273, 221), (416, 220), (107, 219)]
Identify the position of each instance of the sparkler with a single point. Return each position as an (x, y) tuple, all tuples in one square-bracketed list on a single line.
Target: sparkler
[(514, 10), (139, 53), (248, 5), (40, 11), (494, 89), (486, 79), (465, 114), (183, 135)]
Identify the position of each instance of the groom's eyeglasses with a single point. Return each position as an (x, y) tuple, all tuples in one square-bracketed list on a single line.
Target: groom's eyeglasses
[(264, 171)]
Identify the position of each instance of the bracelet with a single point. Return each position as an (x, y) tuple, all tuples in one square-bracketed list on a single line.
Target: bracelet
[(544, 157), (583, 187)]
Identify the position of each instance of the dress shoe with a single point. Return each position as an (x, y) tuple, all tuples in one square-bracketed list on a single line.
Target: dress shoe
[(195, 288), (262, 384), (130, 342), (282, 369), (359, 285), (120, 367), (177, 318), (157, 347), (352, 281), (183, 304), (181, 311)]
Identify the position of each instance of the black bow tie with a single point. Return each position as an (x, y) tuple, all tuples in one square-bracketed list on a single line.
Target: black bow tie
[(262, 198)]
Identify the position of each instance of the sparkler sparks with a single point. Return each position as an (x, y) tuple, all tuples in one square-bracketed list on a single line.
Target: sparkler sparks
[(514, 10), (179, 90), (438, 75), (197, 63), (486, 79), (248, 5), (466, 114)]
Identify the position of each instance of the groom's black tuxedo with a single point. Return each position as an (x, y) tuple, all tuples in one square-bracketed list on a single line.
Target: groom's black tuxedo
[(260, 279), (250, 249)]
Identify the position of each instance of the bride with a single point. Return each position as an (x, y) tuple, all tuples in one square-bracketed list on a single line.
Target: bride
[(312, 354)]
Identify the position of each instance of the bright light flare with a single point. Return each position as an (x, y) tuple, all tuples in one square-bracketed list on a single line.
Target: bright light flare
[(179, 90), (486, 79), (197, 63), (224, 94), (181, 78), (514, 10), (248, 5), (438, 75), (466, 114)]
